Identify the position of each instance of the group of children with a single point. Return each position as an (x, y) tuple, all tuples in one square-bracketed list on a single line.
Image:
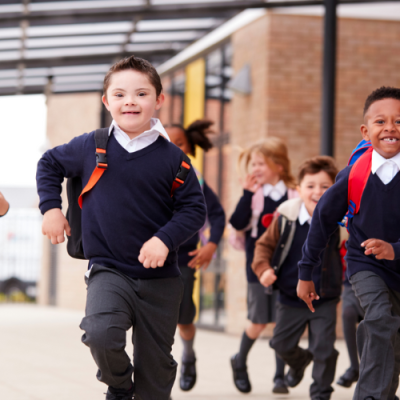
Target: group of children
[(144, 215)]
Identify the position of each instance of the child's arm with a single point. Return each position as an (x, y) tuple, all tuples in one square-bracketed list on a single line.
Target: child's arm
[(330, 210), (263, 252), (4, 206), (216, 217), (189, 217), (240, 218), (55, 164)]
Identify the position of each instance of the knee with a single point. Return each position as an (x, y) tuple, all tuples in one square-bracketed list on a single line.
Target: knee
[(253, 331), (100, 335)]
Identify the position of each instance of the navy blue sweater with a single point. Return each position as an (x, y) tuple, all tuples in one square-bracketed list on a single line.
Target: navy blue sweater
[(379, 218), (216, 218), (240, 220), (129, 205), (288, 276)]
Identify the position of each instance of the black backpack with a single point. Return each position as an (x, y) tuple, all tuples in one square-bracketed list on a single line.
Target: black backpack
[(75, 191)]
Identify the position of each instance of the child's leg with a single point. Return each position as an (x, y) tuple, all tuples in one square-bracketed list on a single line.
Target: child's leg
[(290, 325), (377, 335), (157, 311), (322, 336), (187, 330), (350, 319), (109, 314)]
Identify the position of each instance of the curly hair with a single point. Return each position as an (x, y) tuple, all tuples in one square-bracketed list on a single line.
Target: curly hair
[(196, 134), (275, 153), (384, 92)]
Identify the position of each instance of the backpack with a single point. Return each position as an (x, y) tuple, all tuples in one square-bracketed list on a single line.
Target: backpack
[(236, 238), (361, 159), (75, 192)]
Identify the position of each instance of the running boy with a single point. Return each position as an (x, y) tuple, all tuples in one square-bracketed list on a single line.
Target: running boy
[(190, 257), (131, 229), (4, 206), (373, 250), (275, 261)]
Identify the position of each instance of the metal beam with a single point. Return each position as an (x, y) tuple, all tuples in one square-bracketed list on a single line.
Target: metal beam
[(329, 79)]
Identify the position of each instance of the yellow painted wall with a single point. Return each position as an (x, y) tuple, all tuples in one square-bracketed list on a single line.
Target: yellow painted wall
[(193, 110)]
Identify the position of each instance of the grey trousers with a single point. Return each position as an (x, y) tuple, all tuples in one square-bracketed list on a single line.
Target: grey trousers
[(115, 303), (378, 338), (291, 323)]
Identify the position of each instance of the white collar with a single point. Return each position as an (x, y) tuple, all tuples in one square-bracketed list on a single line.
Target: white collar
[(378, 161), (304, 216), (280, 188), (155, 126)]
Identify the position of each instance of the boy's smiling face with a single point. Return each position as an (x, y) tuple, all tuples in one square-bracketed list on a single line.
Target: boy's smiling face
[(132, 100), (382, 127)]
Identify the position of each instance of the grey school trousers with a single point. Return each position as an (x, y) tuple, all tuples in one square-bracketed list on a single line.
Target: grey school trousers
[(115, 303), (291, 323), (378, 338)]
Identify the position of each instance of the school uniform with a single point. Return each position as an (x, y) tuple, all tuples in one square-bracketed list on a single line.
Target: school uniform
[(260, 304), (129, 205), (216, 219), (292, 314), (376, 283)]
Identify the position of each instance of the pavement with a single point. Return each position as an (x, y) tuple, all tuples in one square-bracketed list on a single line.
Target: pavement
[(42, 358)]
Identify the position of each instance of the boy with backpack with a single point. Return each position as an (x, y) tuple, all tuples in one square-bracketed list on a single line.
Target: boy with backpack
[(4, 206), (275, 261), (146, 202), (369, 190)]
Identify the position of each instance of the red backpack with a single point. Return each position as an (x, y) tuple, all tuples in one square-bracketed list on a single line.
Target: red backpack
[(361, 159)]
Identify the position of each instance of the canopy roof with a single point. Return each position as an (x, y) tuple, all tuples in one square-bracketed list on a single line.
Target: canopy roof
[(69, 45)]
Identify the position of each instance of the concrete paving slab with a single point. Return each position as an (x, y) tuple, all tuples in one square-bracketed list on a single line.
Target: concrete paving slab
[(42, 358)]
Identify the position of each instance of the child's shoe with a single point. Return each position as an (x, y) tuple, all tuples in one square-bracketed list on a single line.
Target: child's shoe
[(240, 376), (348, 378), (280, 386), (188, 375), (120, 394), (294, 377)]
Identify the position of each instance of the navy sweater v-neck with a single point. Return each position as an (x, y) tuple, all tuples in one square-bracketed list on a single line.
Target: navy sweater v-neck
[(129, 205), (378, 218), (240, 220)]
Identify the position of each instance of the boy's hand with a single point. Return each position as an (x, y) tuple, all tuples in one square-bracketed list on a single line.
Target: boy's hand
[(3, 205), (380, 249), (54, 224), (203, 256), (250, 183), (153, 253), (306, 292), (268, 277)]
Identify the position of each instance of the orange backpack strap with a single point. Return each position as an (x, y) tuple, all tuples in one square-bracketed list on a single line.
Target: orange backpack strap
[(182, 173), (101, 139), (358, 178)]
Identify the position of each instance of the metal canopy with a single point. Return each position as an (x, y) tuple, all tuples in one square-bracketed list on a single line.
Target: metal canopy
[(71, 44)]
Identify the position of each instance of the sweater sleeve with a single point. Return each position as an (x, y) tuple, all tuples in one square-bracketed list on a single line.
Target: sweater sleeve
[(265, 248), (65, 161), (190, 213), (330, 210), (215, 214), (241, 217)]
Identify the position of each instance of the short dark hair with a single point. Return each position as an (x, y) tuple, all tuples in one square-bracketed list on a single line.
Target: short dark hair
[(317, 164), (384, 92), (136, 64), (196, 134)]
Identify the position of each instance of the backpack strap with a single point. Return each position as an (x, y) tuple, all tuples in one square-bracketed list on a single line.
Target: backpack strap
[(182, 173), (358, 178), (101, 139)]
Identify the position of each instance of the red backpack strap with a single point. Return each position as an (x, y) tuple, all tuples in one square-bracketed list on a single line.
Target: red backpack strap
[(101, 139), (358, 178), (182, 173)]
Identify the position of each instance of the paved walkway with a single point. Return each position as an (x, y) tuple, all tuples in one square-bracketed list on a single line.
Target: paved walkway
[(42, 358)]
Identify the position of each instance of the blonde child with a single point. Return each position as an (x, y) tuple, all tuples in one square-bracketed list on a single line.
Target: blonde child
[(271, 182)]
